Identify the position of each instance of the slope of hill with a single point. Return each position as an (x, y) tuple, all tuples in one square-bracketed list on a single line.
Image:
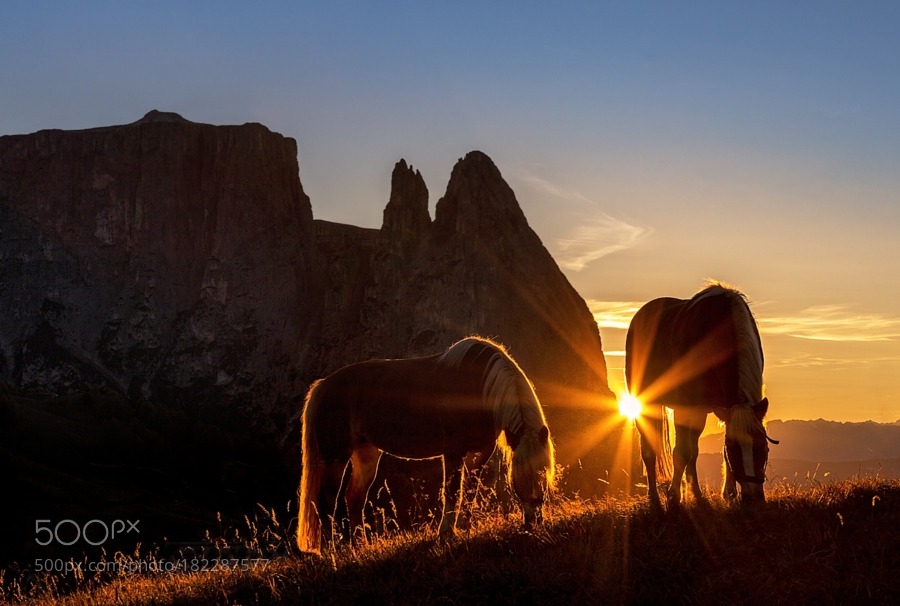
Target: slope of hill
[(832, 544)]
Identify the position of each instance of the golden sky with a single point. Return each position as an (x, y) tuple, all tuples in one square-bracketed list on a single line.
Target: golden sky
[(820, 269)]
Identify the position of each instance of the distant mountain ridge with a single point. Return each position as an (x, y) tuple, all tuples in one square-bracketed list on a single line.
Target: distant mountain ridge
[(825, 441), (816, 451)]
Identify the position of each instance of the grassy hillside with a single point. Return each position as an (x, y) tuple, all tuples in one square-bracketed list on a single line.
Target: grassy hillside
[(828, 544)]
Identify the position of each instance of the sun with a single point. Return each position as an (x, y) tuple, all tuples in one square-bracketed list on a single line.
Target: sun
[(629, 406)]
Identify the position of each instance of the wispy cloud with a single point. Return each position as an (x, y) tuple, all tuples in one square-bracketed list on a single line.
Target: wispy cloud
[(833, 323), (551, 188), (602, 235), (808, 360), (817, 323), (595, 233), (613, 314)]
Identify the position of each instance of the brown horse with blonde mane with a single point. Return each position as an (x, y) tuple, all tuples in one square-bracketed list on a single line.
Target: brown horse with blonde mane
[(699, 356), (466, 400)]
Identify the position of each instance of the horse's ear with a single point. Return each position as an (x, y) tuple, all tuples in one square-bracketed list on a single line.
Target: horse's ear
[(761, 408), (544, 434)]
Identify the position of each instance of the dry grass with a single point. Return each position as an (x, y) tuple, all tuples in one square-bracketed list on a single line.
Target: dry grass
[(830, 544)]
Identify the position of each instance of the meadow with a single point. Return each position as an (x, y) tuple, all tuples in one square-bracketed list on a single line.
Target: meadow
[(827, 543)]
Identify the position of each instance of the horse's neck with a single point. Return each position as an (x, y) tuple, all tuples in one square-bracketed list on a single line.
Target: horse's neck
[(749, 354), (503, 396)]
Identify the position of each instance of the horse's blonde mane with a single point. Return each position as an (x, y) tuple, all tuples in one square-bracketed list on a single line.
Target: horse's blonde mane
[(510, 395), (530, 460), (749, 347), (743, 424), (504, 383)]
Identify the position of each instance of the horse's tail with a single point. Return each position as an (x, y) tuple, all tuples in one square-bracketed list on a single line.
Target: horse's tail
[(309, 526), (660, 420)]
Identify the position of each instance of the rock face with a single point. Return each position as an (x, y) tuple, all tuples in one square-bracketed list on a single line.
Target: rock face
[(168, 259), (180, 262), (415, 286)]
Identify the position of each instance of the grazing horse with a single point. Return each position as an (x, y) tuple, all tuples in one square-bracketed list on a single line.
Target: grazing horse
[(699, 356), (445, 405)]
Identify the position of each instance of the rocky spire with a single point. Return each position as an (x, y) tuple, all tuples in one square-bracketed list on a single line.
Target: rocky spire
[(406, 216), (478, 200)]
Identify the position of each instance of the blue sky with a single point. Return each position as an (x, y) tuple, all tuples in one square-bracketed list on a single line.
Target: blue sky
[(651, 144)]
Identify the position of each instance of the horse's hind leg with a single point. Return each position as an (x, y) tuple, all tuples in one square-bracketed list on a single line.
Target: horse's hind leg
[(327, 501), (650, 432), (688, 425), (691, 469), (453, 472), (364, 461)]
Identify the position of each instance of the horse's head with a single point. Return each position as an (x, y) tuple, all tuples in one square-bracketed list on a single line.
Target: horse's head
[(747, 449), (532, 471)]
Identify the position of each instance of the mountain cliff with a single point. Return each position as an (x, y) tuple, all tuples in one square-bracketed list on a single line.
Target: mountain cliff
[(415, 286), (180, 263), (166, 259)]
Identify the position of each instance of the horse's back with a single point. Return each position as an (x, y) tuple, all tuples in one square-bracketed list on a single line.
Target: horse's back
[(649, 349), (694, 339), (408, 407), (708, 315)]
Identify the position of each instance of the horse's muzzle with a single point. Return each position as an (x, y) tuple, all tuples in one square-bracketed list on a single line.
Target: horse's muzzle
[(752, 493)]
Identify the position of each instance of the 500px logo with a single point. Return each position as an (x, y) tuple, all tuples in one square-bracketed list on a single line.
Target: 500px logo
[(94, 532)]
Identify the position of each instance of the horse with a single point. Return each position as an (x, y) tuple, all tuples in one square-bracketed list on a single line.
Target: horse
[(469, 399), (698, 356)]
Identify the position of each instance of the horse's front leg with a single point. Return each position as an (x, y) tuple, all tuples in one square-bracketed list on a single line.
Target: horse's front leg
[(680, 454), (471, 483), (691, 472), (453, 474), (729, 488)]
